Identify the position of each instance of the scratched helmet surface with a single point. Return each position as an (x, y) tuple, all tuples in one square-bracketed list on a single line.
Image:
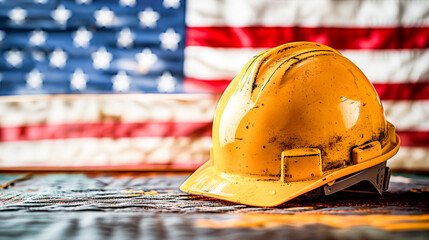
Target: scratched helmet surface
[(296, 118)]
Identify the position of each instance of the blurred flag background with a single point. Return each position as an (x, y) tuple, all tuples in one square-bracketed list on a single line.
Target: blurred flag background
[(133, 84)]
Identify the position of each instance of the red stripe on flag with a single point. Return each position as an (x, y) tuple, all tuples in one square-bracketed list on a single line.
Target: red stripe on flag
[(403, 91), (386, 91), (338, 38), (414, 138), (105, 130), (201, 85)]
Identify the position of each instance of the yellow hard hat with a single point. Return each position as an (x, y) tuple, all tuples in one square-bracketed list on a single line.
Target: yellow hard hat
[(297, 117)]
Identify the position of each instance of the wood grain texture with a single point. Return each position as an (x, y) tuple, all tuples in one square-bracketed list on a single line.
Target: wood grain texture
[(150, 206)]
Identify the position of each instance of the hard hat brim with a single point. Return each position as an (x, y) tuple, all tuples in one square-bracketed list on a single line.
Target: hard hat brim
[(254, 191)]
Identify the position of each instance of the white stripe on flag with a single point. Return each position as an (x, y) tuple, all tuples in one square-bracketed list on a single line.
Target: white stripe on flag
[(355, 13), (105, 151), (216, 63), (391, 66), (410, 158), (62, 109), (408, 115), (380, 66)]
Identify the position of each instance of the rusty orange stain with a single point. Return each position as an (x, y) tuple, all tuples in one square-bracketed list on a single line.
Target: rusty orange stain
[(419, 190), (151, 192), (385, 222), (133, 193)]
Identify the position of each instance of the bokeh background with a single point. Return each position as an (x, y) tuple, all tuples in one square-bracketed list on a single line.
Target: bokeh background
[(133, 84)]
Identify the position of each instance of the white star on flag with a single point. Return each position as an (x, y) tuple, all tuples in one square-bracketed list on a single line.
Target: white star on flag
[(166, 83), (101, 58), (148, 17), (145, 60), (61, 14), (14, 57), (34, 79), (78, 80), (17, 15), (41, 1), (170, 40), (80, 2), (58, 58), (125, 38), (37, 37), (127, 3), (38, 55), (104, 17), (171, 3), (121, 82), (82, 37)]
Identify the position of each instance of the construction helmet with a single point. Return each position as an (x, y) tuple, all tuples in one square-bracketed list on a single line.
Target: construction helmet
[(297, 117)]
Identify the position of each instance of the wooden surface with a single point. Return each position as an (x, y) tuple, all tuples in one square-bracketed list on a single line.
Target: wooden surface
[(150, 206)]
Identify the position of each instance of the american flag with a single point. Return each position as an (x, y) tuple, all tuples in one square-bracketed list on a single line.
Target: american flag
[(61, 63)]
